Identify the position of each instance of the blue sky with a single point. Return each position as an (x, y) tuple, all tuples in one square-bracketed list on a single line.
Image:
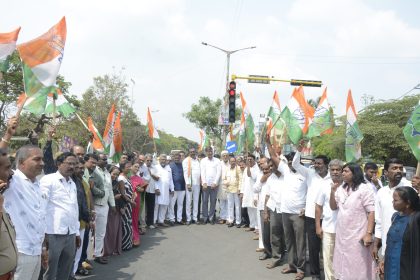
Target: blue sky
[(372, 47)]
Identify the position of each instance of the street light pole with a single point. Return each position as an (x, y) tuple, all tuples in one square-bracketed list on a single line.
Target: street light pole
[(228, 54)]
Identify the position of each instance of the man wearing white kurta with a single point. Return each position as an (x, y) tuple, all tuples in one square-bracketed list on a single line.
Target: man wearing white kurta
[(164, 189), (222, 194), (231, 181), (192, 174), (248, 195), (210, 177), (324, 213)]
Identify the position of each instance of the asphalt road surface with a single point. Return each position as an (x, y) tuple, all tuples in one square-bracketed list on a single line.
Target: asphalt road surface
[(191, 252)]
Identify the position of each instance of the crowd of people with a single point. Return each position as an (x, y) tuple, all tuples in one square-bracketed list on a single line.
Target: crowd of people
[(343, 215)]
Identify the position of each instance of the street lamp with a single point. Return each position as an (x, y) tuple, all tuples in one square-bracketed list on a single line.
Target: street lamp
[(228, 53)]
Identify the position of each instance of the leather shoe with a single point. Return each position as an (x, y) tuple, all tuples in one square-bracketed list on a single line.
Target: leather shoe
[(230, 225), (250, 229)]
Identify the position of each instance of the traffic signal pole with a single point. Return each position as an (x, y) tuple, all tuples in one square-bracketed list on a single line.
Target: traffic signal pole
[(293, 82)]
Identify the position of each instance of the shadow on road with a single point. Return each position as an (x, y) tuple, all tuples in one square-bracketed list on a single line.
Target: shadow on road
[(118, 265)]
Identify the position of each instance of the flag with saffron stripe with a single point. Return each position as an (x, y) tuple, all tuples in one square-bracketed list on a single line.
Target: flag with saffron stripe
[(7, 47), (354, 135), (151, 130), (41, 61)]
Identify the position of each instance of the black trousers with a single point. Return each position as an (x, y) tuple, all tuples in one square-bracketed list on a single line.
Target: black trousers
[(199, 204), (314, 246), (245, 217), (150, 208)]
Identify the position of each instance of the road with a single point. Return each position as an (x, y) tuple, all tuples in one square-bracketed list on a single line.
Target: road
[(201, 252)]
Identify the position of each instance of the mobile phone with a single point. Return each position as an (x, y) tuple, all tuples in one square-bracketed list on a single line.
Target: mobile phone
[(362, 242)]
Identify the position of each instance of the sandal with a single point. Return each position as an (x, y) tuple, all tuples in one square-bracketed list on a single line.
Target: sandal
[(299, 276), (288, 270), (83, 272)]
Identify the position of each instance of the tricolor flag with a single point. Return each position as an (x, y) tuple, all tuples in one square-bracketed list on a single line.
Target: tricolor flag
[(412, 132), (246, 128), (41, 61), (273, 121), (323, 120), (116, 146), (151, 130), (97, 139), (203, 140), (7, 47), (109, 129), (353, 134), (43, 105), (296, 115)]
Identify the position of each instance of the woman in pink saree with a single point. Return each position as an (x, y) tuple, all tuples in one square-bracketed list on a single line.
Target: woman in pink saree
[(139, 186), (355, 222)]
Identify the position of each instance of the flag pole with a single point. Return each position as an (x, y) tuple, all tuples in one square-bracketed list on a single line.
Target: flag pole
[(418, 169), (20, 108), (154, 145), (80, 119), (54, 112)]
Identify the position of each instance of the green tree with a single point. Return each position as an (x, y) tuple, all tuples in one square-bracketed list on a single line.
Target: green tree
[(205, 115), (11, 86), (381, 124)]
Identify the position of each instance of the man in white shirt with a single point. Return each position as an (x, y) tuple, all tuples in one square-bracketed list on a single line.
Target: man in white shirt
[(164, 189), (25, 204), (247, 194), (323, 212), (393, 170), (315, 179), (150, 176), (210, 177), (272, 212), (192, 174), (261, 190), (102, 206), (62, 233), (293, 199), (222, 194), (371, 176)]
